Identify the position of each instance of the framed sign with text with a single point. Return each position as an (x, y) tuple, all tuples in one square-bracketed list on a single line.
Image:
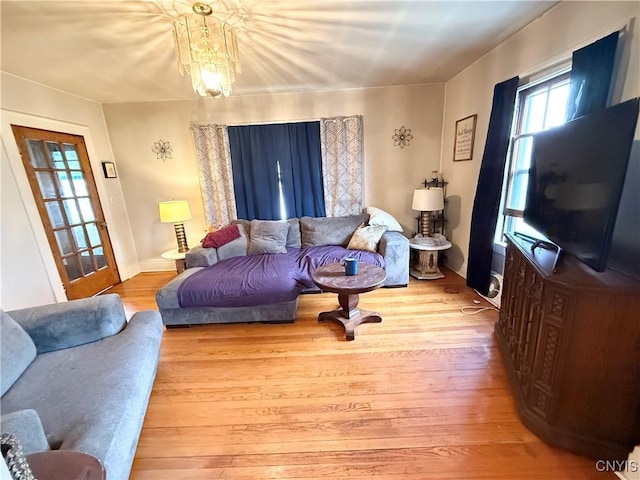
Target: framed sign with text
[(465, 136)]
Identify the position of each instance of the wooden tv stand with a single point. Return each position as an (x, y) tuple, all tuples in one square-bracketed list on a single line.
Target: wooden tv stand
[(571, 344)]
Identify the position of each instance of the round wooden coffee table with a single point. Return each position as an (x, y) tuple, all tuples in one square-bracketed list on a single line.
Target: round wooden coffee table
[(331, 278)]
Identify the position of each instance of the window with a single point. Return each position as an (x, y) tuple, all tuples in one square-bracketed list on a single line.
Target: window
[(277, 170), (540, 105)]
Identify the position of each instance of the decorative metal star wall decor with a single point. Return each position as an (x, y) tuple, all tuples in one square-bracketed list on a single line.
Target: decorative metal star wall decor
[(162, 150), (402, 137)]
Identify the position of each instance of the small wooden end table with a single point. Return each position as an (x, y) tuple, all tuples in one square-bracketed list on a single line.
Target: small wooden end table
[(426, 263), (331, 278), (178, 257), (65, 465)]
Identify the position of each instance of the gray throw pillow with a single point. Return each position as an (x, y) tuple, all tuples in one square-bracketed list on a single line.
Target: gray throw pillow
[(17, 351), (329, 230), (268, 236)]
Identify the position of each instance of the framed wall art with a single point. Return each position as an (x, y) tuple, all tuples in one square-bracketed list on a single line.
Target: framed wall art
[(109, 169), (465, 136)]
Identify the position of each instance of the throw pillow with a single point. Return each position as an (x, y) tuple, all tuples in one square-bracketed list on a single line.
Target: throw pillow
[(221, 237), (268, 236), (366, 238), (380, 217), (317, 231)]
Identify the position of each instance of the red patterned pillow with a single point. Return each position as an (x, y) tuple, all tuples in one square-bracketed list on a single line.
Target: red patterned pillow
[(221, 237)]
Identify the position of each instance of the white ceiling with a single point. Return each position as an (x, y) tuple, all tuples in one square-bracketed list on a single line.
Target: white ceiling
[(122, 51)]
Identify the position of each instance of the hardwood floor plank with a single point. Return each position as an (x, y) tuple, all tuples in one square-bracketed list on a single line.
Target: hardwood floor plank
[(422, 395)]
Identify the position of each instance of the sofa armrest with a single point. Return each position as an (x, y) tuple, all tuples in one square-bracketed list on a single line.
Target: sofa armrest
[(394, 247), (27, 427), (201, 257), (69, 324)]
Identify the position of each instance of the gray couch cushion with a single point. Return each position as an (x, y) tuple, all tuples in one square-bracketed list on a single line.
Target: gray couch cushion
[(27, 427), (68, 324), (17, 351), (293, 237), (268, 236), (329, 230)]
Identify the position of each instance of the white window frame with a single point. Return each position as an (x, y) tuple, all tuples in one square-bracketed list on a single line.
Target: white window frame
[(508, 217)]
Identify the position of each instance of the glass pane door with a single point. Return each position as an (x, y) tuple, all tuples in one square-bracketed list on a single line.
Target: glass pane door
[(60, 175), (66, 198)]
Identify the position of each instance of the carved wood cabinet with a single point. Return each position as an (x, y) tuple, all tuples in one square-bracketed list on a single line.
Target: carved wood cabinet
[(571, 344)]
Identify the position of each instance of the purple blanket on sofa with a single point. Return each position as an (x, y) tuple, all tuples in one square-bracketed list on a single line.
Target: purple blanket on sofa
[(254, 280)]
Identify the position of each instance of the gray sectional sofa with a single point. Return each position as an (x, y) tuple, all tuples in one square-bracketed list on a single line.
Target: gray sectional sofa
[(77, 376), (304, 235)]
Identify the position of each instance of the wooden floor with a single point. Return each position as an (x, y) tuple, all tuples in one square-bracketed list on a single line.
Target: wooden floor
[(422, 395)]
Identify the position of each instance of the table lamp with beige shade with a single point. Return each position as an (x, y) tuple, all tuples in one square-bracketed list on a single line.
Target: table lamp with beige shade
[(176, 212), (426, 201)]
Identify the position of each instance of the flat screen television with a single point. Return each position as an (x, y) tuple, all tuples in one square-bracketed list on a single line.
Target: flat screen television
[(576, 179)]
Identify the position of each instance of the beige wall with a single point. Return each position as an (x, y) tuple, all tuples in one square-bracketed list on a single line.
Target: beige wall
[(130, 202), (391, 173), (551, 38), (28, 273)]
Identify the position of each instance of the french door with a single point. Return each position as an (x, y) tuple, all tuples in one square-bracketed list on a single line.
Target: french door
[(59, 172)]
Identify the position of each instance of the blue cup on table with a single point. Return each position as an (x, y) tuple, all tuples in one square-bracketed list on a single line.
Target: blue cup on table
[(350, 266)]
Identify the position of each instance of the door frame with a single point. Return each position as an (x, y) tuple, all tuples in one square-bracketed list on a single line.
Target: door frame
[(98, 278), (26, 194)]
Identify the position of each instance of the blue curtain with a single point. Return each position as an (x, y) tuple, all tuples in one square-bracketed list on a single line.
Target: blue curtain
[(302, 171), (591, 74), (256, 153), (255, 150), (487, 200)]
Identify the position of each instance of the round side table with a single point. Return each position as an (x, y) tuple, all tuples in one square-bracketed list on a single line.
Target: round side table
[(178, 257), (332, 278), (425, 266)]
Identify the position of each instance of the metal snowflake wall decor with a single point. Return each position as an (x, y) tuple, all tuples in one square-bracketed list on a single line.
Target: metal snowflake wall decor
[(402, 137), (162, 150)]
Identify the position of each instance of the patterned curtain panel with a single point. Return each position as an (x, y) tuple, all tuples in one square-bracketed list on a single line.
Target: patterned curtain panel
[(342, 161), (216, 177)]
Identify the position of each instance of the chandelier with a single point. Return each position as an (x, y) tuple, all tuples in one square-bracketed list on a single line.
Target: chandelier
[(207, 49)]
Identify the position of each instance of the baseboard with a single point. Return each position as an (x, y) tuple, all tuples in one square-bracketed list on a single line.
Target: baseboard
[(157, 265), (461, 270), (128, 271)]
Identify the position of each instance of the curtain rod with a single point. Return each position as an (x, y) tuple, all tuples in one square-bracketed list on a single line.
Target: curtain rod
[(343, 118)]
